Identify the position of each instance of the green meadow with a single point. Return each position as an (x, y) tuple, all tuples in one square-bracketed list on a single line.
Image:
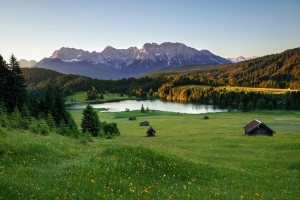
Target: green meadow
[(80, 97), (190, 158)]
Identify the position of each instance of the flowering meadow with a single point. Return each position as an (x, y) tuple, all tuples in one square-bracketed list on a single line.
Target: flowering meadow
[(190, 158)]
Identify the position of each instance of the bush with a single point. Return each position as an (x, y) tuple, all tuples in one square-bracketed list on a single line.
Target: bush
[(85, 138), (110, 130), (2, 132), (39, 127), (4, 121)]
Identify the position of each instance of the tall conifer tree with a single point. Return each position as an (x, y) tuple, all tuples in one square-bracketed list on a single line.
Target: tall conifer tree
[(16, 88), (90, 121), (3, 79)]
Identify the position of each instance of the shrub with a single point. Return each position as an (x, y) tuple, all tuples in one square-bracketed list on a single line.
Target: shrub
[(2, 132), (110, 130)]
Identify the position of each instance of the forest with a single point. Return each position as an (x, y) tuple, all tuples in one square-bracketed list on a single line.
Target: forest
[(20, 109)]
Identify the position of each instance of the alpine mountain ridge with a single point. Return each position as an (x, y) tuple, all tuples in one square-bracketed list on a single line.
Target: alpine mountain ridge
[(114, 63)]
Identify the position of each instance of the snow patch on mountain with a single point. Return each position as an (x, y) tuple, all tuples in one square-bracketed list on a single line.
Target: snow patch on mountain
[(241, 59)]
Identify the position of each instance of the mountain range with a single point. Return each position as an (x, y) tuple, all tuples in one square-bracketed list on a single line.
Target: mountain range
[(114, 63)]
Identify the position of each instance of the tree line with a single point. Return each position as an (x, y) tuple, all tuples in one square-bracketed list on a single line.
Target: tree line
[(245, 101), (41, 115), (37, 80)]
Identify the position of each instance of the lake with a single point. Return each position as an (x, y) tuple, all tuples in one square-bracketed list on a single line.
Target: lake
[(190, 108)]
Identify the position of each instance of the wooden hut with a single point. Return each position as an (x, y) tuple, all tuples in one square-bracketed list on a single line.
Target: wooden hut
[(150, 132), (132, 118), (257, 127), (144, 123), (205, 117)]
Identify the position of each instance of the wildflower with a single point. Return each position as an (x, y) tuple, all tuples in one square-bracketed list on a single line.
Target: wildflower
[(146, 191), (256, 194), (132, 191), (92, 181), (189, 183)]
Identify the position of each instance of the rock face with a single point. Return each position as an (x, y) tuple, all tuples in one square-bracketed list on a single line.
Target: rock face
[(25, 63), (120, 63), (241, 59)]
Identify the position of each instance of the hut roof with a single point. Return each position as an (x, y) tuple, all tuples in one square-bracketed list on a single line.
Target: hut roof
[(150, 128), (254, 124)]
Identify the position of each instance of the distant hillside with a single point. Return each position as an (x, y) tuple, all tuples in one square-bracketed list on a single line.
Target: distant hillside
[(280, 70), (182, 69), (37, 80)]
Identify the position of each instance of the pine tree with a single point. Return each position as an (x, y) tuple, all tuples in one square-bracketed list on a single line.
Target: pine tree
[(90, 122), (49, 100), (59, 107), (261, 104), (50, 121), (3, 79), (142, 109), (26, 119), (229, 109), (16, 95), (270, 105), (15, 118), (242, 106), (250, 106)]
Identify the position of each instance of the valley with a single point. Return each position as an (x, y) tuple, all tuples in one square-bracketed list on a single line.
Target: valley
[(189, 157)]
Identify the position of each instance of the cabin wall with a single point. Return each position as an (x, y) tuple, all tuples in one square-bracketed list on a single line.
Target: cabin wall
[(261, 131)]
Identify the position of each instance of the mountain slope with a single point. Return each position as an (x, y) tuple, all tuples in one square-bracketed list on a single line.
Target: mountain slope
[(26, 63), (280, 70), (114, 63)]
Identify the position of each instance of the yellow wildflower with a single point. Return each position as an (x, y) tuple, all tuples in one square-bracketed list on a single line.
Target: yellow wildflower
[(256, 194), (92, 181)]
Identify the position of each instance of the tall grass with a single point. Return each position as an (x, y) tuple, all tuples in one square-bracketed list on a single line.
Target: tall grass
[(190, 158)]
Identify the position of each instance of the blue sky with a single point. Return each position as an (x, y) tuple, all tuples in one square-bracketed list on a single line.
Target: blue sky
[(34, 29)]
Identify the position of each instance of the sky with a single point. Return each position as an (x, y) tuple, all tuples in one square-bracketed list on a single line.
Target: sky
[(34, 29)]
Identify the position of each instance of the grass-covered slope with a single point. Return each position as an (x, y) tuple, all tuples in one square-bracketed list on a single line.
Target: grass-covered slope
[(189, 158)]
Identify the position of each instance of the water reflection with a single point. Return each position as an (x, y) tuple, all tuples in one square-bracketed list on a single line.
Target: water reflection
[(180, 107)]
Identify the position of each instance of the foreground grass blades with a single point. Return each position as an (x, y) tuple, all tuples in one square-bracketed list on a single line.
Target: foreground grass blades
[(189, 158)]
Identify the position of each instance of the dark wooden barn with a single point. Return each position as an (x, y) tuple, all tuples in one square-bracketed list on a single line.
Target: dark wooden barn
[(205, 117), (257, 127), (132, 118), (144, 123), (150, 132)]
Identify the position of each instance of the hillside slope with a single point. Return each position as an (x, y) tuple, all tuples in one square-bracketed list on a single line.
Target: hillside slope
[(280, 70)]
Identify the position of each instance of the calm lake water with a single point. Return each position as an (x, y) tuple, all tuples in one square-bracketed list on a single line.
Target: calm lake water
[(190, 108)]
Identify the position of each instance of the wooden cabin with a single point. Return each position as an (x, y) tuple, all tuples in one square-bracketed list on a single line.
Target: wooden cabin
[(144, 123), (150, 132), (132, 118), (205, 117), (257, 127)]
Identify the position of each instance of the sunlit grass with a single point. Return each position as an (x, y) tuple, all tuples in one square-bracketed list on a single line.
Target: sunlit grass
[(190, 158), (80, 97)]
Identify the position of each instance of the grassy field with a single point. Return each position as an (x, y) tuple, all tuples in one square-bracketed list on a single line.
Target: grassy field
[(246, 89), (264, 90), (190, 158), (80, 97)]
